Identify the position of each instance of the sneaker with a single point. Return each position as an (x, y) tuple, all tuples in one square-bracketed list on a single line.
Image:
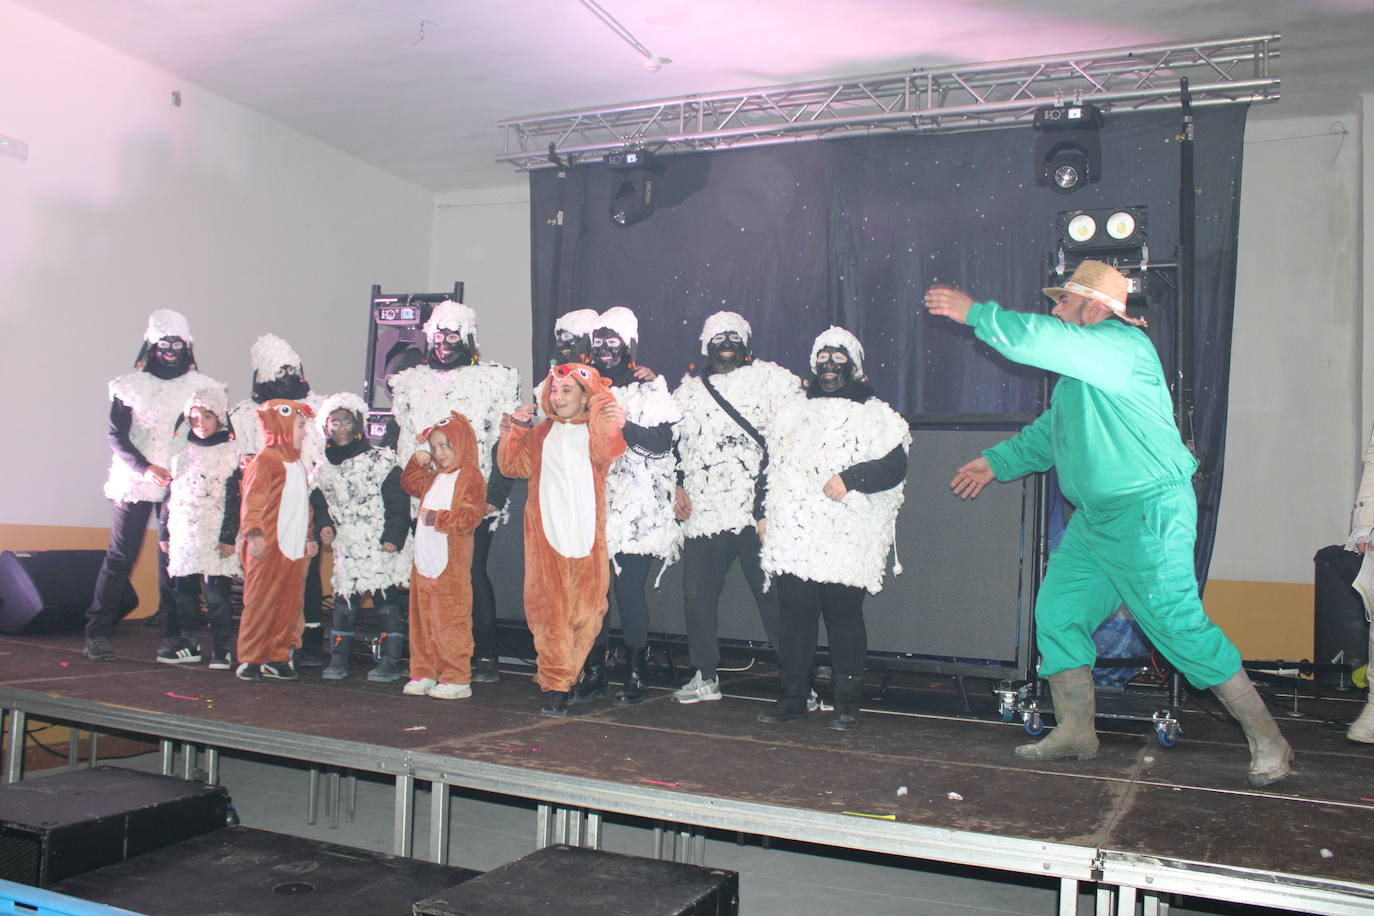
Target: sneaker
[(221, 660), (813, 701), (248, 672), (99, 649), (698, 690), (279, 671), (486, 671), (419, 686), (782, 711), (555, 704), (178, 650), (449, 691)]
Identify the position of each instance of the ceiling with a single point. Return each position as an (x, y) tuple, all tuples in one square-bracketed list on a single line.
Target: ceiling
[(416, 87)]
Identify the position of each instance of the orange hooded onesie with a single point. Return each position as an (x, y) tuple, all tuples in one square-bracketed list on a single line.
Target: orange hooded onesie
[(276, 505), (441, 577), (565, 592)]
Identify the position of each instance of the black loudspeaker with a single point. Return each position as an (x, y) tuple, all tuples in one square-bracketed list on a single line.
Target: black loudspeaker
[(1341, 635), (44, 591)]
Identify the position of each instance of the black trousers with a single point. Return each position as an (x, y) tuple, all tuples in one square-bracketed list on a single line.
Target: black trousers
[(484, 640), (803, 603), (705, 562), (386, 602), (128, 523), (313, 604), (215, 589), (630, 603)]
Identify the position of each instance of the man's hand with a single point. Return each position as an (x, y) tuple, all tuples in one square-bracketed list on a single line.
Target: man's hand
[(225, 550), (760, 526), (682, 505), (1361, 547), (327, 535), (613, 414), (948, 302), (257, 546), (971, 478), (422, 458), (388, 547), (311, 548), (835, 488), (157, 475), (645, 374)]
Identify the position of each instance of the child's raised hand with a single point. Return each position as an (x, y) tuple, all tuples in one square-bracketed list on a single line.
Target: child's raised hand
[(327, 535), (311, 548), (422, 458), (613, 414)]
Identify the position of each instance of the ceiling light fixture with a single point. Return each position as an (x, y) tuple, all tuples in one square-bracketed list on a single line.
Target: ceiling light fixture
[(652, 62)]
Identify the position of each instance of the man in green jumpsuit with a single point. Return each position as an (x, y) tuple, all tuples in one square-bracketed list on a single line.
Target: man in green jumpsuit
[(1110, 433)]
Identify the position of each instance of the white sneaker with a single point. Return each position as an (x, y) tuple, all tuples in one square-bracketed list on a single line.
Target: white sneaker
[(449, 691), (698, 689), (1362, 729), (418, 686)]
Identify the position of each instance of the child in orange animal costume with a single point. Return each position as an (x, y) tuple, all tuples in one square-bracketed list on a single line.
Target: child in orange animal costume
[(567, 569), (448, 482), (276, 547)]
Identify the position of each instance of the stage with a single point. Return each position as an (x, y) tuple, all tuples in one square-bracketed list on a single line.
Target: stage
[(940, 784)]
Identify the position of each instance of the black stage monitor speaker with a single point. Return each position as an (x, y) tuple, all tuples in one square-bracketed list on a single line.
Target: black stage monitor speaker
[(43, 591), (63, 825)]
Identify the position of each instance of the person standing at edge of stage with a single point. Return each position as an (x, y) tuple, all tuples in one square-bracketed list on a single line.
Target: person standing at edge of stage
[(145, 405), (1110, 433), (453, 378), (728, 406)]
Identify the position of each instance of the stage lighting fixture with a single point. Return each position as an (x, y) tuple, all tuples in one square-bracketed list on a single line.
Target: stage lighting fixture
[(1111, 229), (632, 157), (1068, 153), (632, 197)]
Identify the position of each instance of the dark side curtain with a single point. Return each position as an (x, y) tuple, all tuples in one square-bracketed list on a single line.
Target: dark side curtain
[(851, 231)]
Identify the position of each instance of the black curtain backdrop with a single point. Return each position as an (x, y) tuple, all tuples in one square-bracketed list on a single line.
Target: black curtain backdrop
[(851, 232)]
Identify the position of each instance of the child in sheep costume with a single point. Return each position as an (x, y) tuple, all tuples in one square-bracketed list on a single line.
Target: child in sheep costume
[(566, 459), (145, 405), (362, 514), (836, 474), (200, 552), (720, 466), (453, 379), (572, 336), (275, 544), (447, 480), (278, 372), (639, 499)]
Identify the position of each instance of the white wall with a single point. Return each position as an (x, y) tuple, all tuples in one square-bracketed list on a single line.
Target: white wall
[(1294, 436), (483, 239), (127, 203)]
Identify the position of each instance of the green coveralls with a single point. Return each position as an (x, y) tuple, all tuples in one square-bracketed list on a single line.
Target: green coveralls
[(1110, 433)]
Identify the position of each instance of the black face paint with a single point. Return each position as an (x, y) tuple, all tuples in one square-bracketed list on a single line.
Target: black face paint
[(609, 351), (342, 426), (570, 348), (288, 385), (833, 369), (727, 351), (448, 349), (172, 352)]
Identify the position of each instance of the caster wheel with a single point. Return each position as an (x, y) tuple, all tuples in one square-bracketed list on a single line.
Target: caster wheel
[(1168, 735), (1008, 714), (1034, 724)]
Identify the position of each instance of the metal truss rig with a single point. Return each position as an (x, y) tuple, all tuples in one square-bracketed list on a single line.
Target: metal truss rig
[(974, 97)]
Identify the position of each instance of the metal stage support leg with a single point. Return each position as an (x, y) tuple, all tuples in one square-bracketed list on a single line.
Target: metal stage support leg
[(571, 826), (438, 822), (73, 748), (593, 838), (1105, 900), (1068, 897), (1125, 900), (212, 765), (1151, 905), (312, 801), (169, 753), (543, 830), (14, 751), (190, 756), (94, 756), (351, 782), (963, 692), (332, 793), (403, 842)]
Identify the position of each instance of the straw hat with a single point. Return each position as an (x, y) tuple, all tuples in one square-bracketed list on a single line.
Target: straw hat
[(1101, 283)]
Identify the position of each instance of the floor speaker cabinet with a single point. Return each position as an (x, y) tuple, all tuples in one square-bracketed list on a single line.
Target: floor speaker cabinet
[(571, 881), (53, 827), (245, 871), (44, 591)]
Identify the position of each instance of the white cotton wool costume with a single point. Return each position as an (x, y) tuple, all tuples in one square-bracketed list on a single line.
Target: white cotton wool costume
[(353, 491), (810, 535), (579, 322), (195, 504), (156, 405), (268, 354), (423, 395), (718, 459), (639, 487), (719, 323)]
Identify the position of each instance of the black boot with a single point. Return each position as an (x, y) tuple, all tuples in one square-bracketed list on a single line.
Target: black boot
[(555, 704), (311, 652), (592, 683), (635, 665), (339, 649), (389, 667)]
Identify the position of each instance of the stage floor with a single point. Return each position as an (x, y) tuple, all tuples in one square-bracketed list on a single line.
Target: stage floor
[(940, 784)]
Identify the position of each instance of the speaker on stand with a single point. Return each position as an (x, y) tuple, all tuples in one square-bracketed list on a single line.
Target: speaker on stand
[(44, 591)]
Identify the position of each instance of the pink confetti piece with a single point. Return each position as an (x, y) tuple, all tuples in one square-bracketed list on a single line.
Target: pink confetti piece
[(64, 664), (655, 782), (178, 696), (415, 728)]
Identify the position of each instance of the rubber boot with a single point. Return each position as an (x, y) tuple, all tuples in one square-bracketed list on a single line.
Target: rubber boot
[(311, 652), (1075, 708), (341, 644), (592, 683), (1271, 758), (1362, 729), (635, 666), (389, 667)]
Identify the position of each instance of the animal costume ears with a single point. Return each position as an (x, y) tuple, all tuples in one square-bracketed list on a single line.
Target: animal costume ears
[(460, 435), (592, 382), (278, 420)]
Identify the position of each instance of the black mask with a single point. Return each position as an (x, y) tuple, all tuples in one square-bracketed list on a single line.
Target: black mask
[(609, 350), (448, 350), (168, 358), (569, 348), (727, 352), (288, 385), (834, 369)]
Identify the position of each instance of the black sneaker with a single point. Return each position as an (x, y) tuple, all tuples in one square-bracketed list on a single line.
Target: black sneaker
[(99, 649), (555, 704), (221, 660), (249, 672), (178, 650), (279, 671), (486, 671), (781, 712)]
